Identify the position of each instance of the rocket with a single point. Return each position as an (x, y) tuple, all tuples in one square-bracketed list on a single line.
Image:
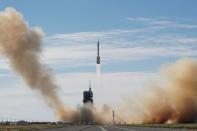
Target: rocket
[(98, 57)]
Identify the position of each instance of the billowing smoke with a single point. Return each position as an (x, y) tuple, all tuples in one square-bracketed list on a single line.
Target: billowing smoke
[(170, 99), (87, 113), (173, 99), (176, 100), (22, 46)]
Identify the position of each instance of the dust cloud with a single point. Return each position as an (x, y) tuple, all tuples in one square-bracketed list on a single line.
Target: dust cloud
[(173, 99), (170, 99), (22, 46), (176, 100)]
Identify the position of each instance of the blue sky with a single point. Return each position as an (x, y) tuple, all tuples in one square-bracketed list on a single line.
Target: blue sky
[(68, 16), (65, 16), (137, 37)]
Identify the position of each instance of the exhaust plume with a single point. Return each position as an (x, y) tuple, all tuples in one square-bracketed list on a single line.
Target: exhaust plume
[(176, 100), (22, 46), (172, 99), (87, 113), (98, 70), (98, 75)]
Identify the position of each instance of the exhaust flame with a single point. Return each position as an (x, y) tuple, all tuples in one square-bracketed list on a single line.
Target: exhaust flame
[(98, 72), (22, 46)]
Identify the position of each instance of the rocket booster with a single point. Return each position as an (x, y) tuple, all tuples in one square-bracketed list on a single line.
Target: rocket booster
[(98, 57)]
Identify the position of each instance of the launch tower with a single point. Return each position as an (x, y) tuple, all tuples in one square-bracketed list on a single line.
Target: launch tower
[(88, 95)]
